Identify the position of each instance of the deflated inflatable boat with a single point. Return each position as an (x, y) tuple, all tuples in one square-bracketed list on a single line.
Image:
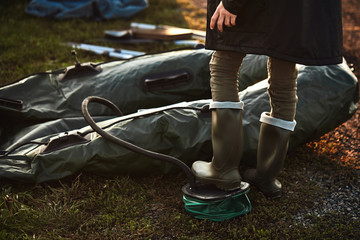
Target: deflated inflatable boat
[(163, 99)]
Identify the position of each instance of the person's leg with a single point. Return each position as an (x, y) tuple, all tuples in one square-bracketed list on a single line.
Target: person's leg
[(275, 128), (282, 89), (224, 67), (227, 134)]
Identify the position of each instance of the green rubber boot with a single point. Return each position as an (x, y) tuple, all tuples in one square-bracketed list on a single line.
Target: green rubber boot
[(227, 142), (272, 149)]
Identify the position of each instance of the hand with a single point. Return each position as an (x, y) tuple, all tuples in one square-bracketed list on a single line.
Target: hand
[(222, 16)]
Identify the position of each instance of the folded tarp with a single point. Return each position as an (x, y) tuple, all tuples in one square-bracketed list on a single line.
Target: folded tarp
[(328, 96), (99, 9)]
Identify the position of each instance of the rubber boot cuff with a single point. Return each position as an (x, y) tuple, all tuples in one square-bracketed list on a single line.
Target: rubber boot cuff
[(277, 122), (228, 105)]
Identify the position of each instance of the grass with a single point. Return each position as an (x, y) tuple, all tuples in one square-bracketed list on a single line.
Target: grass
[(31, 44), (88, 206)]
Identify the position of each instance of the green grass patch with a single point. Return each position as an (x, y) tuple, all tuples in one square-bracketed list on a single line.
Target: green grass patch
[(88, 206)]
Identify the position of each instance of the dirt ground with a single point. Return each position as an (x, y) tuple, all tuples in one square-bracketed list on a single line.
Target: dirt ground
[(341, 144)]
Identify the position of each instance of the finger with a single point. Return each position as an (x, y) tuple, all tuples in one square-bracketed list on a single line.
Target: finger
[(233, 20), (220, 23), (214, 18), (227, 21)]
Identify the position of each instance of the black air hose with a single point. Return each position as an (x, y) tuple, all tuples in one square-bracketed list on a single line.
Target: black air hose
[(127, 145)]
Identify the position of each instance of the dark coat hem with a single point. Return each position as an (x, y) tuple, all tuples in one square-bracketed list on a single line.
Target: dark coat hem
[(282, 56)]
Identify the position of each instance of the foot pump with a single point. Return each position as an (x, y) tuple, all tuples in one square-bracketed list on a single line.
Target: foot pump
[(201, 201)]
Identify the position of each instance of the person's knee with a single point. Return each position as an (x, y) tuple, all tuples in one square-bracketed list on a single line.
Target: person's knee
[(282, 69)]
